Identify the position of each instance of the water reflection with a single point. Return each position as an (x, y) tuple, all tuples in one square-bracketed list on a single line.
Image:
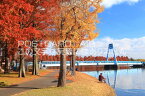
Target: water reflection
[(126, 82)]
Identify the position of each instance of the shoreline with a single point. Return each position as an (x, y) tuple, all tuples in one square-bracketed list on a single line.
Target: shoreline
[(103, 88), (82, 85)]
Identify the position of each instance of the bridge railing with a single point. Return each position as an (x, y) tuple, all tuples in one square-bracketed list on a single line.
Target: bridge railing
[(68, 62)]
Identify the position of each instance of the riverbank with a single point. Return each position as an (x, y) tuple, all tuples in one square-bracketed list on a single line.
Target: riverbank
[(82, 85)]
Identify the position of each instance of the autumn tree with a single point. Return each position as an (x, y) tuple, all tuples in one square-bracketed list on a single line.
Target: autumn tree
[(85, 22), (75, 23), (10, 28), (38, 24), (23, 20), (42, 19)]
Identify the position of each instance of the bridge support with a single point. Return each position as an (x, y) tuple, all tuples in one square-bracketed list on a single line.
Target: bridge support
[(110, 47)]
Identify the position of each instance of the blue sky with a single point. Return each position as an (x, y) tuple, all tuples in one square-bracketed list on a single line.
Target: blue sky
[(123, 20), (123, 24)]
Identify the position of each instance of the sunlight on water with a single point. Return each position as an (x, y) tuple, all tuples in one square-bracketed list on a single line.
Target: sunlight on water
[(126, 82)]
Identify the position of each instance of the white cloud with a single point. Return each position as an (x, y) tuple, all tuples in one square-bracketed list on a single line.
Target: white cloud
[(124, 47), (134, 48), (110, 3)]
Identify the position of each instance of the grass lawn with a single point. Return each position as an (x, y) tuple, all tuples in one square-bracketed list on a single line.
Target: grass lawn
[(83, 85), (12, 78)]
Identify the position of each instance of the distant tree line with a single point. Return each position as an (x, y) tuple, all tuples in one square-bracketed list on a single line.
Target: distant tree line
[(79, 58)]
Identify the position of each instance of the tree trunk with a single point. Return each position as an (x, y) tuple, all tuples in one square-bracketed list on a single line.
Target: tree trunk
[(35, 60), (16, 66), (12, 64), (2, 60), (6, 67), (62, 72), (22, 64), (73, 61)]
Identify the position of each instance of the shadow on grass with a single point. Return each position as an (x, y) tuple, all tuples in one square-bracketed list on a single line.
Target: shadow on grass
[(2, 84), (55, 81), (9, 73), (10, 76), (13, 75), (17, 86)]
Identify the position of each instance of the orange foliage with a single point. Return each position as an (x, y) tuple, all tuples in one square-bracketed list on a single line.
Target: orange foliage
[(75, 22), (79, 58), (25, 20)]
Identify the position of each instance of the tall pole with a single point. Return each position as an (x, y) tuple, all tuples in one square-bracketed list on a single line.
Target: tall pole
[(109, 48), (107, 54)]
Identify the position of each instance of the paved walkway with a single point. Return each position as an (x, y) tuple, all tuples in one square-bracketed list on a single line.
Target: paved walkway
[(42, 82)]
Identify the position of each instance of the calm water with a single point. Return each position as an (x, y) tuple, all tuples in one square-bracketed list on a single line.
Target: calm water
[(126, 82)]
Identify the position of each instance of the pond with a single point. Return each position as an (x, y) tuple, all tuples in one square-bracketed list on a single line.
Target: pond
[(126, 82)]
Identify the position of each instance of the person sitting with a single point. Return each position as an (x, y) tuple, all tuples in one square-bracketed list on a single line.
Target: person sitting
[(101, 78)]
